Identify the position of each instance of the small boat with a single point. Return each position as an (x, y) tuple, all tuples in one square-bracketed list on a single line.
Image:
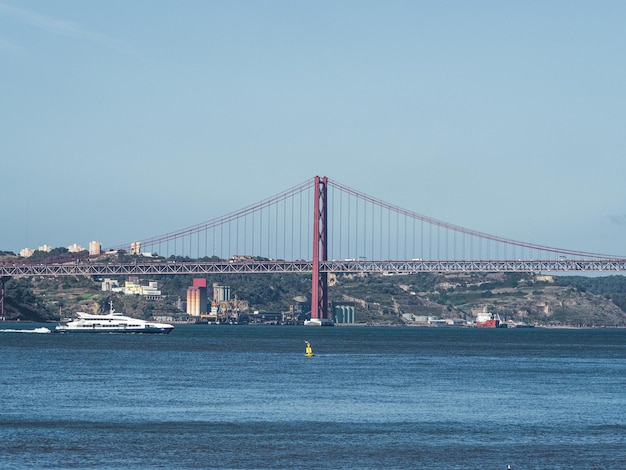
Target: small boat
[(308, 352), (319, 322), (112, 322), (36, 330), (42, 329)]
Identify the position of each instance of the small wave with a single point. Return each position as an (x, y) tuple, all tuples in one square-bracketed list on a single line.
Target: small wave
[(36, 330)]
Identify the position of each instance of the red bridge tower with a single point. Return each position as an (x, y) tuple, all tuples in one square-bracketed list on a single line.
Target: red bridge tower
[(319, 288)]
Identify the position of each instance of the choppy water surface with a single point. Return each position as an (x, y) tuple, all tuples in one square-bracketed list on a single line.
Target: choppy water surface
[(247, 398)]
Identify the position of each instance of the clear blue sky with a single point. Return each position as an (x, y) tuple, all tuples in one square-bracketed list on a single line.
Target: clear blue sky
[(122, 120)]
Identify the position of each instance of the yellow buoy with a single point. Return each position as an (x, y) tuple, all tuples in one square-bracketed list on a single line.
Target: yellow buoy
[(308, 352)]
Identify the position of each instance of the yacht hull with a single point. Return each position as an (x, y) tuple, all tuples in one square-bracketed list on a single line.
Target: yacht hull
[(163, 331)]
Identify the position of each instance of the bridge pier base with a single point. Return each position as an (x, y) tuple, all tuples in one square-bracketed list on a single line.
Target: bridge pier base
[(2, 316)]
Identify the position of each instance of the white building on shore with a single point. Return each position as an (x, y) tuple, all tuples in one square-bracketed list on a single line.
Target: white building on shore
[(133, 287)]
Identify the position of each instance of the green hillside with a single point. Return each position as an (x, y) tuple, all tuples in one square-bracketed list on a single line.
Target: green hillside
[(379, 299)]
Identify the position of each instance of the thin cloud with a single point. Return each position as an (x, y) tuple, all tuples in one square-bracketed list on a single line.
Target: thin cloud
[(10, 47), (618, 219), (59, 27)]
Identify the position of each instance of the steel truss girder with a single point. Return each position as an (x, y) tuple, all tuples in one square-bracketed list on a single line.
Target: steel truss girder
[(396, 267), (403, 267)]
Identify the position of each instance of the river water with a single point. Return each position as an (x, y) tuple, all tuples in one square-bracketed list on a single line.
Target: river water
[(245, 397)]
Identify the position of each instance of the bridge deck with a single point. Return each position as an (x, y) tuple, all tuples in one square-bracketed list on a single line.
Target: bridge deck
[(396, 267)]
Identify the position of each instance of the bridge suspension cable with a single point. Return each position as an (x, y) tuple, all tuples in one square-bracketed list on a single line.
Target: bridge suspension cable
[(479, 245), (359, 227), (276, 227)]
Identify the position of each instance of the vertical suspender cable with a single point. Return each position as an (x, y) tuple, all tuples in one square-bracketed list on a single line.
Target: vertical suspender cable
[(348, 252), (373, 224), (340, 224), (269, 231), (380, 233), (356, 226)]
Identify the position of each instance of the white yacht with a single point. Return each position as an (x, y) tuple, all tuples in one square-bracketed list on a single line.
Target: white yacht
[(112, 322), (319, 322)]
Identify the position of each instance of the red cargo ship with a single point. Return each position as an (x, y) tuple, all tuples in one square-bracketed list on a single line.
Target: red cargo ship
[(487, 320)]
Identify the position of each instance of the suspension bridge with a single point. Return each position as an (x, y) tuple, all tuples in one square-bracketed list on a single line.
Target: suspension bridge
[(321, 226)]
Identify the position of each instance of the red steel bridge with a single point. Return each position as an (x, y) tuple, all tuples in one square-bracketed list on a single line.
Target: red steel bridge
[(321, 227)]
